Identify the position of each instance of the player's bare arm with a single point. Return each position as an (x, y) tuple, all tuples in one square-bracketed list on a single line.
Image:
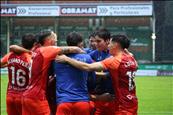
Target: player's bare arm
[(3, 64), (71, 49), (103, 97), (17, 49), (97, 66), (4, 61)]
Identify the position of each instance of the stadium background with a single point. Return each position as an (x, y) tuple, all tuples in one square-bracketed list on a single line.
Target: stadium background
[(155, 56)]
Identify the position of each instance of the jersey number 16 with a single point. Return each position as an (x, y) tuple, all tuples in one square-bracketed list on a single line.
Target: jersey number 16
[(18, 75)]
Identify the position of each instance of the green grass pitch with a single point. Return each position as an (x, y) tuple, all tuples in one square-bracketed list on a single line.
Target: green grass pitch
[(155, 95)]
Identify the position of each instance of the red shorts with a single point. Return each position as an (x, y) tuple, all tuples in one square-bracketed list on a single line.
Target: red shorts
[(73, 108), (92, 107), (35, 107), (105, 108), (125, 111), (14, 105)]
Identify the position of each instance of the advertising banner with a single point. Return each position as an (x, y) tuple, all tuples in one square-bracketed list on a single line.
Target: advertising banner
[(83, 10), (125, 10), (4, 70), (8, 11), (38, 11), (165, 73), (78, 11), (167, 67), (146, 73)]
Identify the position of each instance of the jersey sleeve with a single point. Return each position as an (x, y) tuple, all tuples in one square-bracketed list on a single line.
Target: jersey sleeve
[(28, 56), (50, 52), (92, 54), (5, 58), (90, 60), (91, 81), (111, 63)]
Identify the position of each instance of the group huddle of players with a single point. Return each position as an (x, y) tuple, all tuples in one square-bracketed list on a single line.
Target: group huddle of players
[(45, 79)]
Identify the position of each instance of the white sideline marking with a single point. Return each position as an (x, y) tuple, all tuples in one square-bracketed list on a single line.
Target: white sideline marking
[(169, 112)]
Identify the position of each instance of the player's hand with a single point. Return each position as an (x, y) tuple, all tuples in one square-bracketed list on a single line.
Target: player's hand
[(106, 97), (81, 51), (61, 58), (102, 97), (71, 49)]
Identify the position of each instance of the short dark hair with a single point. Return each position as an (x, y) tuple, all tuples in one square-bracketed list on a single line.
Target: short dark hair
[(28, 41), (103, 33), (73, 39), (43, 35), (122, 40), (93, 34)]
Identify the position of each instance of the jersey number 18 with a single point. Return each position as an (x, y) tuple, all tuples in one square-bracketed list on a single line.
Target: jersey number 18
[(131, 75)]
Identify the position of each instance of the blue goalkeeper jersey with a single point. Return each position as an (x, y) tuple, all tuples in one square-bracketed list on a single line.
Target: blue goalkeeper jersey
[(102, 85), (97, 55), (71, 83), (88, 50)]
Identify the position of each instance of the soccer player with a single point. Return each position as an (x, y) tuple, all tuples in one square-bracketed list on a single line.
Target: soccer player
[(122, 67), (18, 75), (104, 83), (71, 83), (34, 98), (92, 43)]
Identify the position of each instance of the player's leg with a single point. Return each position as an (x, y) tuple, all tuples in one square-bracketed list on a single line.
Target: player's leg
[(64, 109)]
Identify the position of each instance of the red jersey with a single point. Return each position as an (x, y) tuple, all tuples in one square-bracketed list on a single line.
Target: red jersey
[(18, 73), (122, 69), (42, 58)]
